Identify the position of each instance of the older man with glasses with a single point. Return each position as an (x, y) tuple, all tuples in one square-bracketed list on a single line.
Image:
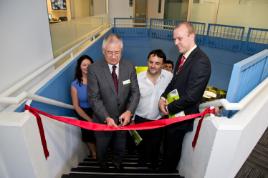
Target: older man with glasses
[(114, 95)]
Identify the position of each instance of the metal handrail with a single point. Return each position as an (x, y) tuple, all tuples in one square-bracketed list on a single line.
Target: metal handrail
[(216, 103), (49, 101), (30, 96), (13, 100)]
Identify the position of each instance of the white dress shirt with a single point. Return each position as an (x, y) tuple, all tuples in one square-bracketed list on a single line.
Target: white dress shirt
[(187, 54), (151, 93), (116, 70)]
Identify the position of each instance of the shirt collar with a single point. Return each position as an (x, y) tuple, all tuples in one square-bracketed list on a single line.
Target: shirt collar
[(187, 54), (111, 67)]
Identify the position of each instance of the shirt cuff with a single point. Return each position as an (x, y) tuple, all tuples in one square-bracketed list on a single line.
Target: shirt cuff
[(167, 109), (163, 98)]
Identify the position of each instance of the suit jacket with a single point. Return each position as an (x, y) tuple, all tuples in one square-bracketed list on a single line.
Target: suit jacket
[(190, 83), (103, 98)]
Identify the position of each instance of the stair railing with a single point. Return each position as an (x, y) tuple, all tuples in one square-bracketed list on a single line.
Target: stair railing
[(216, 103), (5, 97)]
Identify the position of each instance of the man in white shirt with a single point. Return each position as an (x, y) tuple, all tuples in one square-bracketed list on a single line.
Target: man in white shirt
[(152, 83)]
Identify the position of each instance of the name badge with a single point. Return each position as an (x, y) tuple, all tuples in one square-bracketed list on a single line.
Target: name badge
[(126, 82)]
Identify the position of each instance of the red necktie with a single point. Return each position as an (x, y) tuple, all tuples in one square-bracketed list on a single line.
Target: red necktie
[(183, 59), (115, 78)]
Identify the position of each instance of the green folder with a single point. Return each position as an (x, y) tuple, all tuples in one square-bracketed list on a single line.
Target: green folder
[(136, 136), (172, 96)]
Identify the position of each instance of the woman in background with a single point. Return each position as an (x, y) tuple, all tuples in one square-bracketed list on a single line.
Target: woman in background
[(80, 101)]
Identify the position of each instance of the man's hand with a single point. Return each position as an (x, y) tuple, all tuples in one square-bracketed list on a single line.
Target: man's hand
[(163, 106), (110, 122), (125, 118)]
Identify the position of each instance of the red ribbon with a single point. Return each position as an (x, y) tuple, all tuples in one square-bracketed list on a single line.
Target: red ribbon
[(41, 129), (103, 127)]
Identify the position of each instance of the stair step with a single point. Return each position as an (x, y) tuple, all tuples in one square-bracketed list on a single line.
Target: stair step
[(113, 170), (125, 156), (120, 175), (90, 168), (94, 163), (109, 159)]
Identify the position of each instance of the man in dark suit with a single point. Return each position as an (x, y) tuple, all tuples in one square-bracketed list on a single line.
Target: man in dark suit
[(191, 75), (114, 95)]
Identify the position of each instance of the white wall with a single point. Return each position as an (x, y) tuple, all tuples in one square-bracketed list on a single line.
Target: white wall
[(247, 13), (25, 43), (152, 9), (225, 144), (80, 8), (3, 168), (65, 147), (21, 150), (204, 12), (119, 8), (193, 162), (99, 7)]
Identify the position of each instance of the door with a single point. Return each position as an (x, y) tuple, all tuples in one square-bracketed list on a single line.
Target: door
[(176, 9), (140, 12)]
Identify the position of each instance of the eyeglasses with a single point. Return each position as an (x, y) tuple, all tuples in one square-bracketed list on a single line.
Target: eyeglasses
[(110, 53)]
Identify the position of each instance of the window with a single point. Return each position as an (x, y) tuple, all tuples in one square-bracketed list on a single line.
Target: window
[(58, 4)]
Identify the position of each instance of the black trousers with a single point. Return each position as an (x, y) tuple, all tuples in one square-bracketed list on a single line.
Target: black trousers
[(149, 148), (174, 136), (117, 141), (87, 135)]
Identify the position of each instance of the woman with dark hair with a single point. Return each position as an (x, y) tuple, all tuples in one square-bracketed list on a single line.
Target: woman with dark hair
[(80, 101)]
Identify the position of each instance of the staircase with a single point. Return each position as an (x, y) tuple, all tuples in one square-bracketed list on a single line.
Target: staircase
[(89, 168)]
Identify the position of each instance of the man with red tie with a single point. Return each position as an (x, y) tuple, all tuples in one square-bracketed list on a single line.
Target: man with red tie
[(191, 75), (114, 95)]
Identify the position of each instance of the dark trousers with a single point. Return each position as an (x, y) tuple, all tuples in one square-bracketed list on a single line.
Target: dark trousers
[(87, 135), (172, 147), (116, 139), (149, 148)]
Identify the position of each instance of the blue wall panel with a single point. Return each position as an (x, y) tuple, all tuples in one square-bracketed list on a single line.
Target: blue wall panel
[(136, 50), (246, 75)]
